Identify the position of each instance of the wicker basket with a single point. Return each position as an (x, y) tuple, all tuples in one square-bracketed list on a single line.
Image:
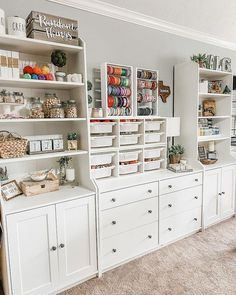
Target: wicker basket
[(12, 145), (208, 161)]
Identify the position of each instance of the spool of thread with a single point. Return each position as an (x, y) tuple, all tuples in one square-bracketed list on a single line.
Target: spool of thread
[(211, 146), (2, 22)]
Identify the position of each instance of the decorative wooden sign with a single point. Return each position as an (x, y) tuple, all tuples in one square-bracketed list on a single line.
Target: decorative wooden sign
[(163, 91)]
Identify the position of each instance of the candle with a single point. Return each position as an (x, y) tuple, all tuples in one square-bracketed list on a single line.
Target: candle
[(70, 174), (211, 146)]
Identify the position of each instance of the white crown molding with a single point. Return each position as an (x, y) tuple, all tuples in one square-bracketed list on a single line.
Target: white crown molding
[(109, 10)]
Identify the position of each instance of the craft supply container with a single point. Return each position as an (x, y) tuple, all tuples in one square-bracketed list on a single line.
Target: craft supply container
[(152, 165), (102, 172), (101, 141), (129, 126), (101, 127), (101, 159), (152, 137), (57, 111), (129, 156), (127, 139), (71, 109), (128, 169)]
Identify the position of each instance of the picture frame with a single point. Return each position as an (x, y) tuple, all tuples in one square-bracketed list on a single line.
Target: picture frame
[(202, 153), (10, 190)]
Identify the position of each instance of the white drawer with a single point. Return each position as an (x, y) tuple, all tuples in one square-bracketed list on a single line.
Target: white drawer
[(179, 225), (180, 183), (125, 218), (129, 244), (128, 195), (175, 203)]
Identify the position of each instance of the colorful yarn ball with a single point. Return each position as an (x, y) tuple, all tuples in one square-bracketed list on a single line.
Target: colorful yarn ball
[(37, 70), (34, 77), (28, 70), (41, 77), (45, 70), (27, 76), (49, 76)]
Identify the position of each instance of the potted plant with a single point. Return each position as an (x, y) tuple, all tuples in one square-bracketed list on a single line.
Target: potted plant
[(63, 164), (58, 58), (175, 153), (201, 59)]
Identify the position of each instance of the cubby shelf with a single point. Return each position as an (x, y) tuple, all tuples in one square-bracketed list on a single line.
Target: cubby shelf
[(206, 73)]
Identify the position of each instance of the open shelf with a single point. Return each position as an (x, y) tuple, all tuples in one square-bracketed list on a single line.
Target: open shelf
[(42, 120), (214, 117), (215, 95), (34, 46), (212, 138), (206, 73), (24, 83), (43, 156)]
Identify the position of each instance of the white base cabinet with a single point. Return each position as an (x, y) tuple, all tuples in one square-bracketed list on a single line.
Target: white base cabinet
[(52, 247), (219, 194)]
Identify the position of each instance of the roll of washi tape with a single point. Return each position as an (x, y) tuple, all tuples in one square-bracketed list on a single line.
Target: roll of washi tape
[(109, 90), (139, 97), (139, 74), (154, 85), (110, 101), (124, 72), (109, 70)]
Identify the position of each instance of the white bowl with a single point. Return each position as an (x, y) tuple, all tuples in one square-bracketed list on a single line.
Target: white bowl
[(39, 175)]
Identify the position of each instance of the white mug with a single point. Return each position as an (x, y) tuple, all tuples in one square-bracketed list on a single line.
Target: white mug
[(2, 22), (16, 26)]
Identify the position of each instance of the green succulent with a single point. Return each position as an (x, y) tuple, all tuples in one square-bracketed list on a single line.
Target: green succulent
[(58, 58), (176, 150)]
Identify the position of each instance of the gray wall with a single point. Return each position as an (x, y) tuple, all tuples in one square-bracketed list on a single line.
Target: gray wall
[(124, 43)]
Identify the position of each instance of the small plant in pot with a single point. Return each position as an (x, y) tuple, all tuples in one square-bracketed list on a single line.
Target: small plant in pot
[(58, 59), (201, 59), (175, 153)]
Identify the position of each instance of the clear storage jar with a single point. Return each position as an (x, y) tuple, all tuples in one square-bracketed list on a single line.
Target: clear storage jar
[(36, 108), (57, 111), (49, 101), (71, 109)]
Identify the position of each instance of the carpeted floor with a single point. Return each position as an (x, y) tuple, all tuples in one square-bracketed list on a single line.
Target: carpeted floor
[(203, 264)]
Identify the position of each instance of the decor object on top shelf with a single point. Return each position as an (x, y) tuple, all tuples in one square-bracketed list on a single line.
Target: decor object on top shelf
[(12, 145), (201, 59), (16, 26), (70, 173), (10, 190), (48, 27), (163, 91), (63, 165), (89, 88), (32, 188), (203, 86), (226, 64), (37, 73), (45, 144), (227, 90), (215, 86), (207, 157), (58, 58), (175, 153), (11, 97), (2, 22), (72, 141), (207, 128), (3, 174), (181, 167), (76, 78), (209, 107)]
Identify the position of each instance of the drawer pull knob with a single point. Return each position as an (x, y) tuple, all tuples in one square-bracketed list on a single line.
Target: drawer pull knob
[(149, 191), (223, 193), (62, 246), (53, 248), (150, 211), (113, 200), (170, 205), (169, 229), (113, 222), (220, 194), (114, 250), (149, 236), (196, 197), (169, 186), (195, 219), (196, 179)]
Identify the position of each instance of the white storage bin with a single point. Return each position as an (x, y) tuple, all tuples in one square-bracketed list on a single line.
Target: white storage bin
[(129, 139), (101, 141), (101, 127), (102, 172), (129, 126), (152, 165), (153, 125), (101, 159), (129, 156), (152, 153), (152, 137), (127, 169)]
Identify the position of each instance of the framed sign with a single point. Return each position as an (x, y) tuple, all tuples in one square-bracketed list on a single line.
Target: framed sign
[(201, 153), (10, 190)]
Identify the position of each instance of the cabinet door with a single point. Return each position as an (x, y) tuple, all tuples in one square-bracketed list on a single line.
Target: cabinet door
[(33, 260), (227, 191), (76, 239), (212, 188)]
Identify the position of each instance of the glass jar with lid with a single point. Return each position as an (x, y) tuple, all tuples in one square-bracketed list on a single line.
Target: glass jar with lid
[(57, 111), (71, 109), (36, 108), (49, 101)]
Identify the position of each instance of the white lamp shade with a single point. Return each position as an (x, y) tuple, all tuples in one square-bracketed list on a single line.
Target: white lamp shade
[(173, 126)]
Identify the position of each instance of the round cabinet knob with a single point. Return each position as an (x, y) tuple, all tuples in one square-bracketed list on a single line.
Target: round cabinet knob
[(149, 236), (113, 200), (113, 222), (149, 191), (196, 179), (150, 211), (114, 250), (223, 193), (62, 245), (169, 186), (170, 205), (169, 229), (196, 197), (219, 194), (53, 248), (195, 219)]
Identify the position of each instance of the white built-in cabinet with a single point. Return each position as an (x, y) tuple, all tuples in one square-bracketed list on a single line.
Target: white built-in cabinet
[(219, 194), (52, 247)]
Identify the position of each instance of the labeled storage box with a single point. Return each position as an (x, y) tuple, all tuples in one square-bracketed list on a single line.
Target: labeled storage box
[(153, 125), (152, 165), (128, 169), (152, 153), (101, 127), (152, 137), (102, 172), (129, 139), (103, 159), (101, 141), (129, 156), (32, 188), (129, 126)]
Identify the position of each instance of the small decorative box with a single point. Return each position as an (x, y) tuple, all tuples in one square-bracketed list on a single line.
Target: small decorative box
[(45, 143)]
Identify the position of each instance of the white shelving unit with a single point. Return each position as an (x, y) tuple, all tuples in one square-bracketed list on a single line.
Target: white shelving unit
[(187, 101)]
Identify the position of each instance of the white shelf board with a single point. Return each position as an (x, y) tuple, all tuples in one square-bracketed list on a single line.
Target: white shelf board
[(34, 46), (215, 95), (214, 117), (24, 83), (42, 120), (212, 138), (207, 73), (42, 156)]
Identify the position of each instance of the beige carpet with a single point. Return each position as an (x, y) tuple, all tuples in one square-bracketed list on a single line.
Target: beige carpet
[(203, 264)]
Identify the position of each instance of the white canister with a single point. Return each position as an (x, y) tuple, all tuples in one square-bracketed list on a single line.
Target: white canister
[(70, 174), (2, 22), (16, 26)]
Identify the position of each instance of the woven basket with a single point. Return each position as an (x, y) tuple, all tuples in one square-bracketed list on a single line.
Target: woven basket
[(12, 145)]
